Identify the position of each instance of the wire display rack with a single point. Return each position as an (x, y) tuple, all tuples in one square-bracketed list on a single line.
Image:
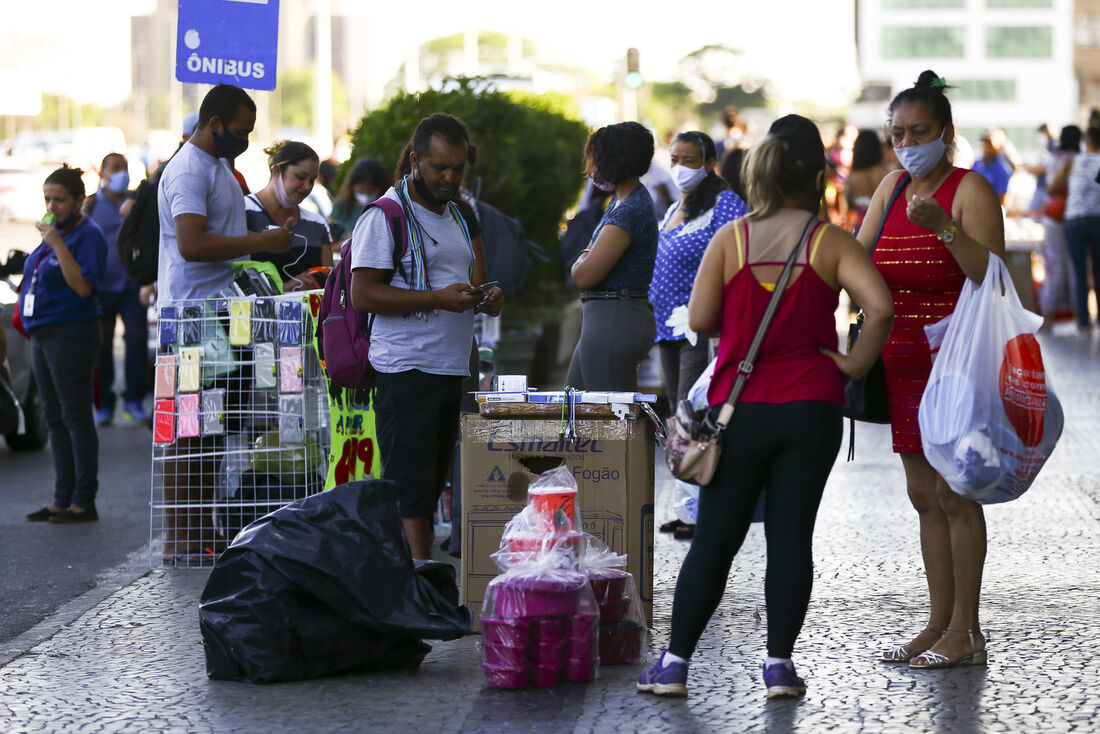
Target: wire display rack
[(240, 421)]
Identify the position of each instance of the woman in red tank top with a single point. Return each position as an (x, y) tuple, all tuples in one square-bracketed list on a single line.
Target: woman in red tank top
[(785, 433), (938, 233)]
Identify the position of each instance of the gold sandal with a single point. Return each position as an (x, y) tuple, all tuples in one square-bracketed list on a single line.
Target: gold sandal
[(900, 654), (929, 659)]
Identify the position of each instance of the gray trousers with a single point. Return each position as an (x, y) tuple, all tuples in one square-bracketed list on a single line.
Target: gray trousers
[(63, 361), (681, 365), (616, 335)]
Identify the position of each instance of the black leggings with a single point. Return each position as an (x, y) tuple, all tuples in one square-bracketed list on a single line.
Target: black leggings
[(788, 449)]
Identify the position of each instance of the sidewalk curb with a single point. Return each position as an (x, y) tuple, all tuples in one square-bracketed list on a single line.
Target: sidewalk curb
[(108, 583)]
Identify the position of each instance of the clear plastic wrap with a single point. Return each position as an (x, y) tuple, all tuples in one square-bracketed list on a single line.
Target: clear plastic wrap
[(623, 636), (548, 523), (541, 624), (540, 615)]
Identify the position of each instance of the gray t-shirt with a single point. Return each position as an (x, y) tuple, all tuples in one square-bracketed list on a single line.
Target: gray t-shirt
[(194, 182), (439, 345)]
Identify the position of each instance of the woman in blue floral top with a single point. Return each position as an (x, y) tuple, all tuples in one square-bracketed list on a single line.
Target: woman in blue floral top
[(688, 225)]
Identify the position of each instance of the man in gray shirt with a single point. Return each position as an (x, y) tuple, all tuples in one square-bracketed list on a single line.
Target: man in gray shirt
[(202, 231), (423, 328)]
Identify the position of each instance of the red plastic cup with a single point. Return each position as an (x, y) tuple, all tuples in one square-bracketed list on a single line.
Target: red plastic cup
[(555, 506)]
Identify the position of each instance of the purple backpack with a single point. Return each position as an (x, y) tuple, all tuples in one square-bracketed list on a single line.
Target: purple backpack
[(343, 334)]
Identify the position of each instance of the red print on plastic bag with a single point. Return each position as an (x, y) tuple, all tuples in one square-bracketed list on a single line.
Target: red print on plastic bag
[(1024, 388)]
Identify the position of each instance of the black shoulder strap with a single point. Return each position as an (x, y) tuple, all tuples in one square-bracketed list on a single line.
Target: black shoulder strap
[(263, 208), (903, 181)]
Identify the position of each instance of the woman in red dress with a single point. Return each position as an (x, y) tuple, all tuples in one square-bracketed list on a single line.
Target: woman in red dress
[(938, 233)]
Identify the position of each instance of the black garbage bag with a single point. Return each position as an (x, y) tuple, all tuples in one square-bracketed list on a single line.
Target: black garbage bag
[(326, 585)]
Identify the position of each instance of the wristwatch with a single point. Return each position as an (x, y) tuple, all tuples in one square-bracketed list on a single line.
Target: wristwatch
[(948, 235)]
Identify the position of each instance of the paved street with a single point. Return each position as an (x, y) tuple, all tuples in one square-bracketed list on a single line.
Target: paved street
[(128, 656)]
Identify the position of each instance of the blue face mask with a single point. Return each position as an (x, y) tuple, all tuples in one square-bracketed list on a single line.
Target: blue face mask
[(919, 160), (118, 182)]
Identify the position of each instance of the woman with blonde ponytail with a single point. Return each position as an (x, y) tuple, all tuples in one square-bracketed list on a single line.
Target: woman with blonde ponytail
[(785, 434)]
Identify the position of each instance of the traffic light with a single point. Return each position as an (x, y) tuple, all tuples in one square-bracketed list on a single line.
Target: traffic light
[(633, 74)]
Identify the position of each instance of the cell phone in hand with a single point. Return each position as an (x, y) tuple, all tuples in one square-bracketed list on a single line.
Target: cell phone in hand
[(483, 287)]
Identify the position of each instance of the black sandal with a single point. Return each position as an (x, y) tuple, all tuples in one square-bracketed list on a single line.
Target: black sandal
[(684, 532), (44, 514), (672, 526)]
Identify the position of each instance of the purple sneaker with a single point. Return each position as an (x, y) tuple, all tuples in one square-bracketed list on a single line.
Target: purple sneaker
[(670, 681), (782, 681)]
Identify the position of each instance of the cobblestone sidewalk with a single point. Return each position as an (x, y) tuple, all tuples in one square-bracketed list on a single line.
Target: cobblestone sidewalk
[(134, 660)]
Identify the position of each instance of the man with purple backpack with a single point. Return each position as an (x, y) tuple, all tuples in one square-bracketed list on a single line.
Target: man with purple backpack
[(423, 304)]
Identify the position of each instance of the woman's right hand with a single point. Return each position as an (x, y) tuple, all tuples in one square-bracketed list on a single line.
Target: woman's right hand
[(850, 368), (48, 232)]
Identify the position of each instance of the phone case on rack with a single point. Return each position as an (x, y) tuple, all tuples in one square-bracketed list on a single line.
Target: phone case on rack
[(290, 420), (188, 424), (164, 421), (166, 322), (264, 355), (290, 323), (263, 410), (290, 369), (213, 412), (165, 386), (240, 323), (190, 325), (263, 320), (189, 373)]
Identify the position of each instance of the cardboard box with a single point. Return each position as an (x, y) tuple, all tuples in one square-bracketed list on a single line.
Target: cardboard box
[(612, 461)]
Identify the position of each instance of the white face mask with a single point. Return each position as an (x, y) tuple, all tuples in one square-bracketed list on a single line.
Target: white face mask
[(363, 199), (686, 178), (919, 160)]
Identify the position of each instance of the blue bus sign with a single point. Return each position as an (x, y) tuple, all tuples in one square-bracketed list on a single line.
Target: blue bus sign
[(228, 42)]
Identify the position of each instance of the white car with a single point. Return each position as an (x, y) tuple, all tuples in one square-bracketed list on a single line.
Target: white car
[(21, 191), (18, 364)]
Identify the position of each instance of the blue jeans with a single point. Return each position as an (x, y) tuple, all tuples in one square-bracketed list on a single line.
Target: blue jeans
[(1083, 240), (126, 304), (62, 358)]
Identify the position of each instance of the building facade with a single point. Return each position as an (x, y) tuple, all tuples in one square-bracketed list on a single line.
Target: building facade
[(1011, 61)]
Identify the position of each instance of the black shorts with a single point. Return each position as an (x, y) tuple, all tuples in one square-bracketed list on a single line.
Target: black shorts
[(416, 415)]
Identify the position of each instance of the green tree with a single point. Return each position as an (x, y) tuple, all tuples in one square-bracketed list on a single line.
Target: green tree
[(529, 152)]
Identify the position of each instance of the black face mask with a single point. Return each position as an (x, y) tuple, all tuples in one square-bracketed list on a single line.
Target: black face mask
[(68, 221), (229, 145), (423, 193)]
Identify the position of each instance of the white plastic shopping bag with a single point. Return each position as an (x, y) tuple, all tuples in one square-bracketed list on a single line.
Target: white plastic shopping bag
[(989, 418), (698, 392)]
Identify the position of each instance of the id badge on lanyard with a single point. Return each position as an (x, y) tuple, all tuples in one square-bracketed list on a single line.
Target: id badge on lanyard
[(27, 310)]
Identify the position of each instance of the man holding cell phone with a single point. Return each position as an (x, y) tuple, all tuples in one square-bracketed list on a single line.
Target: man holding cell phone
[(424, 319)]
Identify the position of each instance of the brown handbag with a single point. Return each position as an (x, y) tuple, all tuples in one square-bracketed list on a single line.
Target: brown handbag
[(692, 448)]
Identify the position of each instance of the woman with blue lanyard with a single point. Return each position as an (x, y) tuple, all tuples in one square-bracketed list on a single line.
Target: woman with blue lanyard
[(705, 205), (60, 311)]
